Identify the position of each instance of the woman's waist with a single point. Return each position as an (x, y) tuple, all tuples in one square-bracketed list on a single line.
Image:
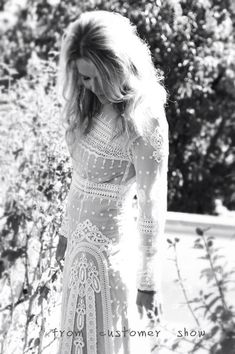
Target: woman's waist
[(102, 190)]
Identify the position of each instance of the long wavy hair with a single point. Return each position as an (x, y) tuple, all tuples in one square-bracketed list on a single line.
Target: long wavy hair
[(128, 77)]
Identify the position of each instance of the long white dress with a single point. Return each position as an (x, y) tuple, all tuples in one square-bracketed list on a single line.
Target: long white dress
[(96, 299)]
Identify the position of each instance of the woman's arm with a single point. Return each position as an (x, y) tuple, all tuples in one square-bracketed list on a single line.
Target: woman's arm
[(150, 158)]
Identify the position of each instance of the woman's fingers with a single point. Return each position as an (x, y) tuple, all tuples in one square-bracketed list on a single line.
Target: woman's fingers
[(150, 314), (147, 303)]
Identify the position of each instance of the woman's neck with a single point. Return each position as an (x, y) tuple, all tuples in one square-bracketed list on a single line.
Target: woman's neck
[(107, 109), (109, 113)]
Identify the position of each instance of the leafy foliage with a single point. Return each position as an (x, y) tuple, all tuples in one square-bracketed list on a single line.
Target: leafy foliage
[(211, 305), (213, 301), (37, 185)]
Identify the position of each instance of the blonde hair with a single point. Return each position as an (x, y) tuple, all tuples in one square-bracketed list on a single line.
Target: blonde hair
[(123, 60)]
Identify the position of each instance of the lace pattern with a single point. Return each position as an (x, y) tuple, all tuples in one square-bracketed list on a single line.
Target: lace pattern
[(98, 142), (147, 226), (148, 230), (108, 191), (85, 274), (87, 279), (89, 232), (158, 143), (145, 280)]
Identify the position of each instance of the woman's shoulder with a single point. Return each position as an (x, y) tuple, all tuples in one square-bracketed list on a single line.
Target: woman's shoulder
[(149, 126), (150, 137)]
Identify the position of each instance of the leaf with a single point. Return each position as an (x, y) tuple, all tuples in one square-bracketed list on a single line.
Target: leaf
[(54, 277), (195, 299), (169, 241), (204, 257), (213, 317), (44, 291), (174, 346), (206, 296), (225, 274), (206, 271), (228, 281), (40, 298), (199, 307), (211, 304), (217, 257), (37, 342), (219, 308), (214, 349), (25, 291), (209, 243), (209, 277), (199, 231), (218, 269), (2, 268), (199, 246), (31, 341), (12, 255), (226, 316), (214, 330)]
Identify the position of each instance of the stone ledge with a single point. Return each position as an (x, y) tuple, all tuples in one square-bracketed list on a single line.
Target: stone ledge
[(185, 224)]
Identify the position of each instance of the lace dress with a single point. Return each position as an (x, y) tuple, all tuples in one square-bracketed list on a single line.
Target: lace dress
[(107, 172)]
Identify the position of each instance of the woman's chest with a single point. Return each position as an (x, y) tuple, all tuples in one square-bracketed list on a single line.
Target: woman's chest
[(102, 155)]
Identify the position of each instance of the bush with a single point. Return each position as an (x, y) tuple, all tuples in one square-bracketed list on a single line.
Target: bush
[(36, 175)]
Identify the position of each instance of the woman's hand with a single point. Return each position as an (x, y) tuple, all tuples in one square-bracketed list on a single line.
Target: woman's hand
[(60, 250), (147, 301)]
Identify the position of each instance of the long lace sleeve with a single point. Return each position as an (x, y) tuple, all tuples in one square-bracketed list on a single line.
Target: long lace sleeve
[(150, 158)]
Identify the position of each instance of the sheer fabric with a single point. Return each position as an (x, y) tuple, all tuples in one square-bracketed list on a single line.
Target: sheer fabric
[(107, 172)]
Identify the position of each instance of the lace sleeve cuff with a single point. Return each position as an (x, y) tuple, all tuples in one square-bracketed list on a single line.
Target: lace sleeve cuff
[(146, 274)]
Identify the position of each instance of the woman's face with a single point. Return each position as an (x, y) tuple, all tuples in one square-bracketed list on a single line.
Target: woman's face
[(90, 78)]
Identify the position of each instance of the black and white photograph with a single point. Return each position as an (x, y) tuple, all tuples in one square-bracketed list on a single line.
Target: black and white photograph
[(117, 160)]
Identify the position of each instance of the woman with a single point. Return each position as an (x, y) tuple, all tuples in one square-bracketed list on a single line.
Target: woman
[(116, 134)]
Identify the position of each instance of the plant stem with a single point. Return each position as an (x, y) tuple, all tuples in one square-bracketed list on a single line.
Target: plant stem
[(214, 273), (182, 286)]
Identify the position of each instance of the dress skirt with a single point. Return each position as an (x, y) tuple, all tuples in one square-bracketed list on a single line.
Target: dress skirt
[(98, 300)]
